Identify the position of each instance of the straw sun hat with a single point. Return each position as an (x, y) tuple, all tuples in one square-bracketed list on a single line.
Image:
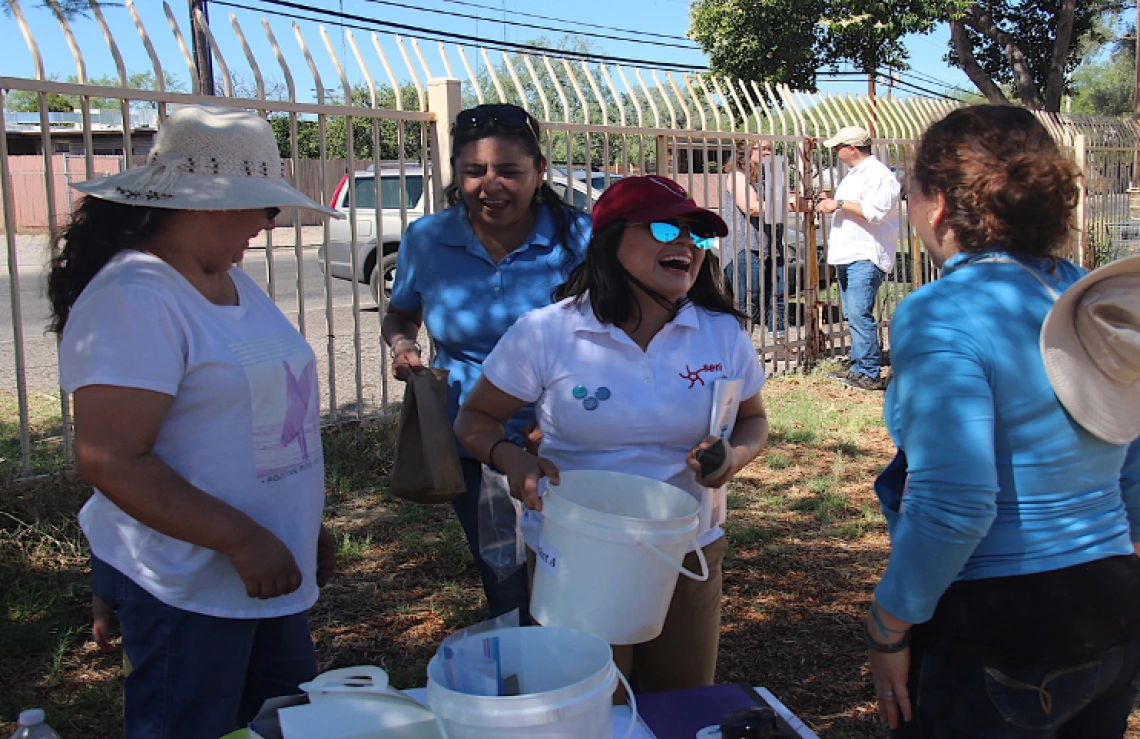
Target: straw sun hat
[(1090, 342), (207, 158)]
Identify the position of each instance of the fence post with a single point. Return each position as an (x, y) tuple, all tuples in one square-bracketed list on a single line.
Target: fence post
[(1080, 151), (445, 100)]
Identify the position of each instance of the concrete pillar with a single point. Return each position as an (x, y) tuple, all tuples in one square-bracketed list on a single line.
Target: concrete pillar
[(445, 100)]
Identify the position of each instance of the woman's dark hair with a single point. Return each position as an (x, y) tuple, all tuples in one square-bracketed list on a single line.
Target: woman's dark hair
[(98, 230), (480, 123), (610, 285), (1005, 181)]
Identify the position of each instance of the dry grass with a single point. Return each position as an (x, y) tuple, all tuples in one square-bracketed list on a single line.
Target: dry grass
[(807, 547)]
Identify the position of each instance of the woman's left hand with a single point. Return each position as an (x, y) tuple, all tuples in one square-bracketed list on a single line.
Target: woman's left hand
[(695, 466), (889, 674), (326, 556)]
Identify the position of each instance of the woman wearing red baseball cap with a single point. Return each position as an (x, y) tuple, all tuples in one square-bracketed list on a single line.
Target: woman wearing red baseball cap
[(621, 371)]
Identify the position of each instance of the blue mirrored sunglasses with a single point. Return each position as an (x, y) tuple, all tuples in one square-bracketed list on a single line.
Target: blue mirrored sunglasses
[(666, 232)]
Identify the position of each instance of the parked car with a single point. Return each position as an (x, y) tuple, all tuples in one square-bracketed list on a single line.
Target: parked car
[(378, 269)]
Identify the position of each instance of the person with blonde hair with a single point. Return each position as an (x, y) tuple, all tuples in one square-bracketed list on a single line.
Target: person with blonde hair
[(1010, 605), (754, 248)]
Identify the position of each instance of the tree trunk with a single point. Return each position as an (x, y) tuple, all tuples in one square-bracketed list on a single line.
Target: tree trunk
[(983, 23), (970, 66), (1055, 83)]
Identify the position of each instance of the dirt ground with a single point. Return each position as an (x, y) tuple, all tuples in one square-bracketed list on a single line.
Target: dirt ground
[(807, 548)]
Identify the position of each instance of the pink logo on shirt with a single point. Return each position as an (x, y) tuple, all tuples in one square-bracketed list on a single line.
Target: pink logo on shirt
[(694, 376)]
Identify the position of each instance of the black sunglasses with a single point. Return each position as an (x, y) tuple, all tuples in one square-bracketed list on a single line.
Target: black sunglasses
[(271, 213), (491, 115)]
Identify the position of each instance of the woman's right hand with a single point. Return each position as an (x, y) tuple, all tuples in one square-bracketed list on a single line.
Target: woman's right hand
[(265, 565), (523, 471), (405, 359)]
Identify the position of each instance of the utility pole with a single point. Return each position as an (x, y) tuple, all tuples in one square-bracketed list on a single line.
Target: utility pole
[(203, 59), (871, 94), (1136, 104)]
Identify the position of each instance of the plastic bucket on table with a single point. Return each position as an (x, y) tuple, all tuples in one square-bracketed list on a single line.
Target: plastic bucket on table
[(610, 552), (567, 680)]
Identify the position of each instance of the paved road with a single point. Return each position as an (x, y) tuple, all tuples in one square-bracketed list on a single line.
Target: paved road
[(338, 389)]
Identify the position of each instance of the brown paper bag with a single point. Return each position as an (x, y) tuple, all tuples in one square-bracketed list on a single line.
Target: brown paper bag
[(427, 459)]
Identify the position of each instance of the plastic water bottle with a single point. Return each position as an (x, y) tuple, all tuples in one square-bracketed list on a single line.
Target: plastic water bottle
[(32, 726)]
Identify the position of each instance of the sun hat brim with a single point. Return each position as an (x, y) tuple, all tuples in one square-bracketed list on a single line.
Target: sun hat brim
[(1106, 409), (202, 192)]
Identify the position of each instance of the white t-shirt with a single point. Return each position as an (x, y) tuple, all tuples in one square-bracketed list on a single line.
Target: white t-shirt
[(874, 237), (659, 401), (244, 425)]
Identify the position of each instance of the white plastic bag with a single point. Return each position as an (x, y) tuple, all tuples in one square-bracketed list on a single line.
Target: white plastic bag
[(500, 540)]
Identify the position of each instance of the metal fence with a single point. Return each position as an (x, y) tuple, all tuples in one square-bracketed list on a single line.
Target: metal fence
[(599, 122)]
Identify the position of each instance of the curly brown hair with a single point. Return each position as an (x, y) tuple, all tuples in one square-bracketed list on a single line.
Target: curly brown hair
[(1007, 185)]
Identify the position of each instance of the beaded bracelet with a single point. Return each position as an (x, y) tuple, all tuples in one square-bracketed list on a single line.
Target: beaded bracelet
[(877, 646), (397, 342)]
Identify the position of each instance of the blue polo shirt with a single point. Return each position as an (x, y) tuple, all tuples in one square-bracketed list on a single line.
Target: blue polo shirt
[(1001, 480), (468, 301)]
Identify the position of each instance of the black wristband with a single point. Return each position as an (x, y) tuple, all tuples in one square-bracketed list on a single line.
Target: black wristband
[(878, 646), (491, 455)]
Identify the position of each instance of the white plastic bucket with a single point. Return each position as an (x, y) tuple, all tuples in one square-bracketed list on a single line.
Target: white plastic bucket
[(610, 552), (567, 683)]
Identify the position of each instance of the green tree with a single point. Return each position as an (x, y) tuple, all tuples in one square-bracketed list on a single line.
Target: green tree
[(1106, 85), (1029, 46), (791, 40), (308, 129), (27, 101), (1032, 46)]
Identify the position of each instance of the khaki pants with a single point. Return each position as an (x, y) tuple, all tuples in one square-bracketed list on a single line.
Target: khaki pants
[(684, 654)]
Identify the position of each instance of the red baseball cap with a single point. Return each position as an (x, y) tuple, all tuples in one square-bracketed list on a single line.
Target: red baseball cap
[(648, 199)]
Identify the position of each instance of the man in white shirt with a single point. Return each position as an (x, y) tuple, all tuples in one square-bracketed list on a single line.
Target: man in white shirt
[(864, 236)]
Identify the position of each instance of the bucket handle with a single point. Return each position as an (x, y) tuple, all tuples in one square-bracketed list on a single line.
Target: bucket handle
[(632, 704), (633, 715), (679, 568)]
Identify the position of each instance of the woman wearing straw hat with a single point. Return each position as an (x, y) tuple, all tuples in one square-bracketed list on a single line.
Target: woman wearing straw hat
[(197, 422), (1010, 606), (499, 250), (622, 374)]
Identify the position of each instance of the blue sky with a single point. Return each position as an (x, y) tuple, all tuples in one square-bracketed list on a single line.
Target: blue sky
[(668, 18)]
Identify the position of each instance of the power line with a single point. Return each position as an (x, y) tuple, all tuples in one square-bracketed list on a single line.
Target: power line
[(576, 23), (902, 83), (429, 34), (520, 24)]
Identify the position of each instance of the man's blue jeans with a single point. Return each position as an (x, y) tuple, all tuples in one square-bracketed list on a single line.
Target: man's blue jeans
[(952, 699), (195, 676), (766, 280), (858, 288)]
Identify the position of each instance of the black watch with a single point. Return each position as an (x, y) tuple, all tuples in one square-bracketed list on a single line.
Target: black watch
[(839, 204)]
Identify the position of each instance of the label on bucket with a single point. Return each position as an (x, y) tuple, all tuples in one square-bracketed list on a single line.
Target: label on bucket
[(547, 555)]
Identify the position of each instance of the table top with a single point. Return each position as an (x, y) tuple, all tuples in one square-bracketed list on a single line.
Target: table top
[(621, 717)]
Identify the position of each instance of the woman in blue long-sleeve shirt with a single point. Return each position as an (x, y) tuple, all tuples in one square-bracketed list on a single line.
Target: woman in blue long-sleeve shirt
[(1011, 551)]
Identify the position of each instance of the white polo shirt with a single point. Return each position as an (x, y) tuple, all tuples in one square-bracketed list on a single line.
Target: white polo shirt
[(874, 237), (604, 404)]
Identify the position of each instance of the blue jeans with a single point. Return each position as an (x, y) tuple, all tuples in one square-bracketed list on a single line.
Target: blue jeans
[(505, 596), (858, 287), (195, 676), (766, 279), (958, 700)]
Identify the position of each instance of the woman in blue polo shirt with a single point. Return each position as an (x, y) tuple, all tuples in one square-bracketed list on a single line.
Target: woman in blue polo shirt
[(1010, 606), (499, 250)]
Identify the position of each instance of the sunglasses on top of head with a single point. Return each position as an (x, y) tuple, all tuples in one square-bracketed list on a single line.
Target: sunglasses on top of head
[(488, 116), (666, 232)]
